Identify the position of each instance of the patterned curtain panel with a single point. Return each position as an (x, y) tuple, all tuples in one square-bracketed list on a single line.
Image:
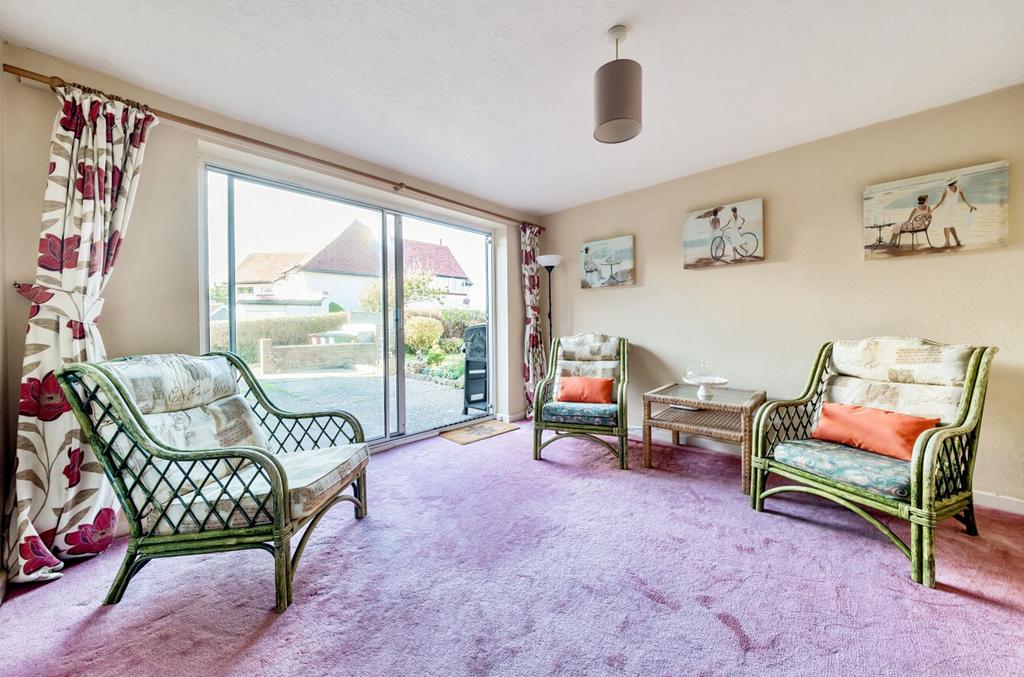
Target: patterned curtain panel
[(533, 351), (62, 505)]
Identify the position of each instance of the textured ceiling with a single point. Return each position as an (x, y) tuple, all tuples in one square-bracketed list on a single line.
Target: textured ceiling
[(494, 97)]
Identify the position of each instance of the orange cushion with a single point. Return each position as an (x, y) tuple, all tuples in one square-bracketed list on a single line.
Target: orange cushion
[(883, 432), (585, 389)]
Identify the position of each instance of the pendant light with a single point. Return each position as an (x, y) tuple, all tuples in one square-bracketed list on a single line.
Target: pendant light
[(617, 95)]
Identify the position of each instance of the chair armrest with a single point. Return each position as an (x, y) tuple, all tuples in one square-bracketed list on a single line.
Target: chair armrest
[(186, 461), (781, 420), (943, 462), (292, 427), (542, 395)]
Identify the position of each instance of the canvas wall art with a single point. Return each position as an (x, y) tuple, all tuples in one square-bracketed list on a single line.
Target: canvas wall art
[(720, 236), (954, 211), (607, 263)]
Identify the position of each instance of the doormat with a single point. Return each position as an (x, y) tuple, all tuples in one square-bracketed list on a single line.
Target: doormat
[(478, 431)]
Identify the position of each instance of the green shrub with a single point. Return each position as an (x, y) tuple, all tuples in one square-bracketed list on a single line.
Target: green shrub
[(283, 331), (421, 333), (435, 356), (453, 320), (451, 346)]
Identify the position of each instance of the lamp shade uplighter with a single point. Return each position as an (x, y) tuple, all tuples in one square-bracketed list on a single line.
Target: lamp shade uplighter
[(618, 93), (549, 261)]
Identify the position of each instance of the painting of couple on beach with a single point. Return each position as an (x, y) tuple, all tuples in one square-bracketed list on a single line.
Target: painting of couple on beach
[(958, 210), (721, 236)]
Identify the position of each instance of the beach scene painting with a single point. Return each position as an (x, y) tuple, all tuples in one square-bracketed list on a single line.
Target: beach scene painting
[(724, 235), (607, 263), (947, 212)]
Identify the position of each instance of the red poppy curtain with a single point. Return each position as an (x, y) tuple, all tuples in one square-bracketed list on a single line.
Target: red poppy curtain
[(533, 347), (63, 506)]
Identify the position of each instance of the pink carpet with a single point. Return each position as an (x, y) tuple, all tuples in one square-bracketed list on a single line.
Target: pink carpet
[(479, 561)]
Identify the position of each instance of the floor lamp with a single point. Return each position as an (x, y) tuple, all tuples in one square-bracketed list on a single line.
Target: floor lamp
[(549, 262)]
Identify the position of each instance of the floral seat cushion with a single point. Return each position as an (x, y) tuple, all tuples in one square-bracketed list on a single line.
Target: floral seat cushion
[(882, 475), (314, 478), (581, 413)]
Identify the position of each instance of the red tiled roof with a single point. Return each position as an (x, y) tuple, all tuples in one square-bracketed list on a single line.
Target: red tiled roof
[(263, 268), (356, 251), (432, 258)]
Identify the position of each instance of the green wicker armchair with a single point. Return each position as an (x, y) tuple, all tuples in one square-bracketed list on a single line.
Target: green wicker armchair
[(595, 355), (200, 465), (908, 375)]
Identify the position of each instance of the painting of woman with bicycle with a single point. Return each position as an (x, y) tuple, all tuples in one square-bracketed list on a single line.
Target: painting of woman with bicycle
[(731, 233)]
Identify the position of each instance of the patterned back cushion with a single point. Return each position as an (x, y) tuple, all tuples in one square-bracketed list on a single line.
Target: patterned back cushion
[(592, 355), (187, 403), (161, 383), (907, 375)]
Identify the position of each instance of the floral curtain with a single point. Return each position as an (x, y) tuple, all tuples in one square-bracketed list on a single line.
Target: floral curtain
[(533, 347), (62, 505)]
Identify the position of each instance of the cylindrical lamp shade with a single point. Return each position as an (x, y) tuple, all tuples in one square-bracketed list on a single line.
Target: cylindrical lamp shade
[(618, 92)]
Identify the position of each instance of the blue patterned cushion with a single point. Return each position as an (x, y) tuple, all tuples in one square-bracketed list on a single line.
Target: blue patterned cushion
[(582, 413), (882, 475)]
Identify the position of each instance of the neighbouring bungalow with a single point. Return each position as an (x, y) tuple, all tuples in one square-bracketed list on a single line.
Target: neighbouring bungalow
[(337, 276)]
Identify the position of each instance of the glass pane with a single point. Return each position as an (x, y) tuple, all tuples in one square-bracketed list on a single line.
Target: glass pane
[(446, 300), (308, 310), (217, 258)]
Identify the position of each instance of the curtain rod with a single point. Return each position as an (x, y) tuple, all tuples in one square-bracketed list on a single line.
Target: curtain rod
[(54, 81)]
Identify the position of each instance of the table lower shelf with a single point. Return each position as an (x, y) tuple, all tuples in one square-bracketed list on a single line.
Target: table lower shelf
[(722, 425)]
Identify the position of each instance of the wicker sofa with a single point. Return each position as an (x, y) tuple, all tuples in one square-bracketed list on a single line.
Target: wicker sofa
[(201, 465), (909, 375)]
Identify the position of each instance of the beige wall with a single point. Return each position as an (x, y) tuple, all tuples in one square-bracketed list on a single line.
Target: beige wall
[(763, 321), (153, 300)]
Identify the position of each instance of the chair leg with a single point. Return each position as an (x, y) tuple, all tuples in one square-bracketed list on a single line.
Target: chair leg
[(624, 452), (282, 573), (922, 554), (757, 482), (968, 520), (124, 574), (359, 489), (537, 432), (972, 523), (915, 552)]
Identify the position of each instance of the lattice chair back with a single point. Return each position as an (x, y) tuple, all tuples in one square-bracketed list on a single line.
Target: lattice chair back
[(592, 355), (143, 415), (906, 375), (286, 432)]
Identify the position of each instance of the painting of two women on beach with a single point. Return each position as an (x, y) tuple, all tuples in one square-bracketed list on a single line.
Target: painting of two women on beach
[(954, 211)]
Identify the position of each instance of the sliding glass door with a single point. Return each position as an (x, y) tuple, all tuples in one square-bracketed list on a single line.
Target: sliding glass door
[(337, 304), (445, 298)]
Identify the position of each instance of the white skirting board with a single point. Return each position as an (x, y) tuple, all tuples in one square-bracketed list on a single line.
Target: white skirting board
[(1007, 503), (983, 499)]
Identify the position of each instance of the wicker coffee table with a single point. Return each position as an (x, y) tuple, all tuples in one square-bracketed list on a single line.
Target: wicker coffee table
[(727, 417)]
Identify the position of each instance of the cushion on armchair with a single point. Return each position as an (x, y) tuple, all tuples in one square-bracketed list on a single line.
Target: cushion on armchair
[(590, 355), (877, 430), (882, 475), (585, 389), (314, 477), (187, 403), (907, 375), (581, 413)]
